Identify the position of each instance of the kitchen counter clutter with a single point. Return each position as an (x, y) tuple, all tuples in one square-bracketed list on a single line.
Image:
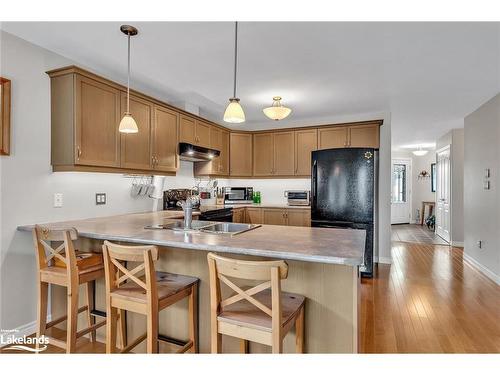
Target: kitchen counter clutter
[(323, 267)]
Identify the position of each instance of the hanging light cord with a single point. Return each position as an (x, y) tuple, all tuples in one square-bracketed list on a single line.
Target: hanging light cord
[(128, 74), (235, 56)]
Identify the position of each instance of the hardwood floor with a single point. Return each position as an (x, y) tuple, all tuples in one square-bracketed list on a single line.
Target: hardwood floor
[(429, 301)]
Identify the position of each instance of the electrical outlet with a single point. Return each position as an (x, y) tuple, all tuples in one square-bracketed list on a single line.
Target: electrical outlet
[(100, 198), (58, 200)]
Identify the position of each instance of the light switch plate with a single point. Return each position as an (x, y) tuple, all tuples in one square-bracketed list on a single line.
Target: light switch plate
[(100, 198), (58, 200)]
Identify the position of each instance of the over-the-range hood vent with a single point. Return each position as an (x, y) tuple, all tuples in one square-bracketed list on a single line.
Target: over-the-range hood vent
[(191, 152)]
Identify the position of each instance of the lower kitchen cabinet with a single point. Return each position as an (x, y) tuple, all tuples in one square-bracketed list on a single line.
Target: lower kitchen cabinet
[(274, 216), (298, 218), (253, 215), (238, 215)]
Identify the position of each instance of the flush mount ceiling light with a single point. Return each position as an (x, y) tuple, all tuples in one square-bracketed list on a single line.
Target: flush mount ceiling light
[(420, 152), (128, 124), (277, 111), (234, 112)]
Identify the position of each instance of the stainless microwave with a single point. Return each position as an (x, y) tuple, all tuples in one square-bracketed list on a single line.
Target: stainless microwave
[(235, 195)]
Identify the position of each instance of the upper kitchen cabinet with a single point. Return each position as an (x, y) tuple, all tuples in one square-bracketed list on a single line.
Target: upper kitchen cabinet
[(136, 147), (219, 140), (335, 137), (284, 153), (165, 136), (364, 136), (240, 154), (263, 154), (85, 114), (306, 141), (194, 131)]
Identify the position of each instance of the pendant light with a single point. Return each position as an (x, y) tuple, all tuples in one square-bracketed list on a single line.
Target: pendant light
[(234, 112), (128, 124), (277, 111)]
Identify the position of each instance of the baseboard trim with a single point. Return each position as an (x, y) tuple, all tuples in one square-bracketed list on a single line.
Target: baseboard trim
[(383, 260), (457, 243), (484, 270)]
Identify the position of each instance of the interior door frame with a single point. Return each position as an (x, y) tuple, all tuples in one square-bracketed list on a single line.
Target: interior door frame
[(409, 176), (450, 193)]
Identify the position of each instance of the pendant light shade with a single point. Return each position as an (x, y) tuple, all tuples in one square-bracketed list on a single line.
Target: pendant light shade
[(234, 112), (277, 111), (128, 124)]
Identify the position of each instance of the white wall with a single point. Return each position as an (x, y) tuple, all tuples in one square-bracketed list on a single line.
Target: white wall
[(420, 188), (482, 207), (455, 139)]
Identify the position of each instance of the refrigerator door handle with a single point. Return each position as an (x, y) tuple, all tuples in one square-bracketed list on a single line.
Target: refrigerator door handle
[(314, 182)]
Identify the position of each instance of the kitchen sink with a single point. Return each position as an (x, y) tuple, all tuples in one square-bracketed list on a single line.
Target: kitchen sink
[(229, 228), (196, 225)]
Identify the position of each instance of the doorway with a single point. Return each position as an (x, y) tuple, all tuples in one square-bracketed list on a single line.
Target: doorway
[(400, 191), (443, 176)]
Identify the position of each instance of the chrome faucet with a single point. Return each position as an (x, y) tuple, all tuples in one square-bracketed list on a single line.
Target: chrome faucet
[(187, 206)]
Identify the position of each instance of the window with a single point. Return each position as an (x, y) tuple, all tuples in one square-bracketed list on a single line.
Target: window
[(399, 183)]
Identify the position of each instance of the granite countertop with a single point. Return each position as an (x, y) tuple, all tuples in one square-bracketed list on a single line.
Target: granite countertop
[(320, 245)]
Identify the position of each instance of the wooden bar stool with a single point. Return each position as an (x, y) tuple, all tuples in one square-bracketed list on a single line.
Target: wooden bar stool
[(262, 313), (146, 295), (65, 267)]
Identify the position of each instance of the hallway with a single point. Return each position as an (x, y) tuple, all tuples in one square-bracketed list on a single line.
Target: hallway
[(429, 301)]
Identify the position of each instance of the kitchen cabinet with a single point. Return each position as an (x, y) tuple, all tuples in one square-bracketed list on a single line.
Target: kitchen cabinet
[(165, 137), (219, 140), (263, 153), (136, 147), (238, 215), (298, 217), (240, 154), (202, 137), (187, 130), (274, 154), (306, 141), (335, 137), (253, 215), (274, 216), (364, 136)]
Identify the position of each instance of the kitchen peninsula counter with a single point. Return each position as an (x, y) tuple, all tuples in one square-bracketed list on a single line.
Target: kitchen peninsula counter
[(323, 267)]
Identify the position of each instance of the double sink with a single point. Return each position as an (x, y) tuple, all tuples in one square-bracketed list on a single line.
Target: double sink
[(207, 227)]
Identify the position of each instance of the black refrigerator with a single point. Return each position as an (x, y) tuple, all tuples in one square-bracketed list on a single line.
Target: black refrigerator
[(344, 194)]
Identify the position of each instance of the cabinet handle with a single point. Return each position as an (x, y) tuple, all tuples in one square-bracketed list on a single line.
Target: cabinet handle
[(78, 153)]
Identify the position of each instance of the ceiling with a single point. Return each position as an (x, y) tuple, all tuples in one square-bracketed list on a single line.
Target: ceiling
[(427, 75)]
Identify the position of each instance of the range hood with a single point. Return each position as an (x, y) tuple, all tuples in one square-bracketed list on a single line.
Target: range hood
[(191, 152)]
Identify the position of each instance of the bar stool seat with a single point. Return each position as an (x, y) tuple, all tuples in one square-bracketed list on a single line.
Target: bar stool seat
[(245, 314), (168, 284), (59, 275)]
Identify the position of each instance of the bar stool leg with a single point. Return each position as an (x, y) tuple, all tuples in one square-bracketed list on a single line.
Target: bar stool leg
[(43, 296), (72, 318), (193, 318), (152, 331), (244, 346), (111, 322), (299, 332), (90, 306), (122, 328)]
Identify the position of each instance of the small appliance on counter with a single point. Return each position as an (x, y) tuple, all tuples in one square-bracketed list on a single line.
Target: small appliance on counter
[(172, 198), (238, 195), (298, 197)]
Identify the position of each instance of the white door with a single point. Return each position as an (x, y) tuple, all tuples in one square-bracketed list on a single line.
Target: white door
[(401, 191), (443, 176)]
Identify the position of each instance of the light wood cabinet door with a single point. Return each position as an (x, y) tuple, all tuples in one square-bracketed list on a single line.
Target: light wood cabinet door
[(253, 215), (202, 133), (187, 130), (97, 115), (306, 141), (224, 154), (240, 156), (284, 154), (263, 154), (238, 215), (274, 216), (364, 136), (216, 144), (165, 139), (136, 147), (335, 137), (298, 217)]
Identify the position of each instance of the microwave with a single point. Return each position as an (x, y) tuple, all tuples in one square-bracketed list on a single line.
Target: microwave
[(235, 195), (298, 197)]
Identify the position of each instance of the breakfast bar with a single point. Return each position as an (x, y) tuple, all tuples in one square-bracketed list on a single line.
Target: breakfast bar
[(323, 267)]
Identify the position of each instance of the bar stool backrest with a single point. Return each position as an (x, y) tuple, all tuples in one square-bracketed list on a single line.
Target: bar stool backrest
[(271, 272), (117, 274), (46, 254)]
